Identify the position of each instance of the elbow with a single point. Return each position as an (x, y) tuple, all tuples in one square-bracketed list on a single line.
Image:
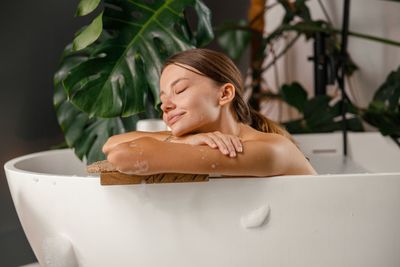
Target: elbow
[(109, 144), (119, 159)]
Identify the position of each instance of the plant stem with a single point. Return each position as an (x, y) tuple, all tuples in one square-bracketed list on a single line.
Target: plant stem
[(373, 38), (292, 42)]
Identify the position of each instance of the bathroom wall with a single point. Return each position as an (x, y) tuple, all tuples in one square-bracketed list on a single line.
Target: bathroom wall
[(375, 60), (32, 37)]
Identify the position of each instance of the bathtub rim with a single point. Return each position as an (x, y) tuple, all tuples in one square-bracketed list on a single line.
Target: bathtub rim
[(9, 166)]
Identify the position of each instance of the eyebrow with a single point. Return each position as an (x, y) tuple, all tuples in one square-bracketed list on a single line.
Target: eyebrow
[(174, 83)]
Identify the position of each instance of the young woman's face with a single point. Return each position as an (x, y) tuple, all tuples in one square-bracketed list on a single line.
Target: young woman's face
[(190, 101)]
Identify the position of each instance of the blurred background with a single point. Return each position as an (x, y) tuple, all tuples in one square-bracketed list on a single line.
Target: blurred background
[(34, 34)]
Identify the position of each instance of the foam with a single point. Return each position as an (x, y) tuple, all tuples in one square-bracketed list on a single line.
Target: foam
[(256, 218)]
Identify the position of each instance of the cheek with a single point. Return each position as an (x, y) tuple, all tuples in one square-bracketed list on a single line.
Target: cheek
[(204, 110)]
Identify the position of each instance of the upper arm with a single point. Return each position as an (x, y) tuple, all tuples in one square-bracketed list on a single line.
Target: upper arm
[(259, 158)]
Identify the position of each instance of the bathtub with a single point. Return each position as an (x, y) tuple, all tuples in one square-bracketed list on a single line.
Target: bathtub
[(346, 216)]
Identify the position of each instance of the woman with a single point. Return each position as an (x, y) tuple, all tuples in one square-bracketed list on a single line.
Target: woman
[(213, 131)]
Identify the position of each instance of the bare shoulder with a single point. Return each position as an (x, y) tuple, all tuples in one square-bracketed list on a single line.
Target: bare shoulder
[(251, 134), (284, 150)]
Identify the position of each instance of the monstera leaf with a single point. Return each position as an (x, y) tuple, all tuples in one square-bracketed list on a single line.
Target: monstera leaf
[(123, 68), (87, 135), (112, 80)]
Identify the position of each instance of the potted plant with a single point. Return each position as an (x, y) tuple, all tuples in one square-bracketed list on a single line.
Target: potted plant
[(321, 112), (108, 77)]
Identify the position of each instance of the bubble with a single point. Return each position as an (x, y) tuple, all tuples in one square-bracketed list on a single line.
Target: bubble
[(141, 166)]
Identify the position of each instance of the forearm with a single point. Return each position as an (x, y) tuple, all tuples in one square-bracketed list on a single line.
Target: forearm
[(118, 139), (147, 156)]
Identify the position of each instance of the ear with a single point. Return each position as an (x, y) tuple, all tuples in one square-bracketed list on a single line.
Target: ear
[(227, 94)]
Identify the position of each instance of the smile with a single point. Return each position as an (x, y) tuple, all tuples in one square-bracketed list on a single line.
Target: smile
[(174, 118)]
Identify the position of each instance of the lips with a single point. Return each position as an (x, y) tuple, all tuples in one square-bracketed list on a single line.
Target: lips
[(171, 119)]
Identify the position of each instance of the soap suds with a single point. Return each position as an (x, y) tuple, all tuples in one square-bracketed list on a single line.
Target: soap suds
[(141, 166), (256, 218)]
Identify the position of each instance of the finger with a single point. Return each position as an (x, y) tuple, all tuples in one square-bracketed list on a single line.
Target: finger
[(221, 145), (210, 142), (228, 142), (237, 143)]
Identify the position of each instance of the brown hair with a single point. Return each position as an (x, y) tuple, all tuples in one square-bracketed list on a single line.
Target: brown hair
[(221, 69)]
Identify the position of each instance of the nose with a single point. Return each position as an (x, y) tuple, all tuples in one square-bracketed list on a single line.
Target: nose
[(168, 105)]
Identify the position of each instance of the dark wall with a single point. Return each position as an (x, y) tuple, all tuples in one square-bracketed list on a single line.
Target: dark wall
[(32, 37)]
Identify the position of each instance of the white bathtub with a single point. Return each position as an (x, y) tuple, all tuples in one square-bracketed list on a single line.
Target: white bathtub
[(333, 219)]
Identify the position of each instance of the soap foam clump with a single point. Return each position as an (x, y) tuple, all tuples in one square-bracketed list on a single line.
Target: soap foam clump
[(256, 218)]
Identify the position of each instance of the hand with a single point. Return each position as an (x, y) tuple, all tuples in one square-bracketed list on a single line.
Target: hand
[(226, 143)]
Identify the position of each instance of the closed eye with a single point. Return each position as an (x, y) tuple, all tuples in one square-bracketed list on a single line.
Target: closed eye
[(180, 90)]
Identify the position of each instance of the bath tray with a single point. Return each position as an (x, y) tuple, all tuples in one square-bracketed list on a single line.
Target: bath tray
[(110, 176)]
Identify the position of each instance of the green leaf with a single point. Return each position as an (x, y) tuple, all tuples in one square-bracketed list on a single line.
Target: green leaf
[(86, 6), (317, 110), (86, 135), (125, 67), (204, 33), (233, 38), (295, 95), (90, 34), (384, 110)]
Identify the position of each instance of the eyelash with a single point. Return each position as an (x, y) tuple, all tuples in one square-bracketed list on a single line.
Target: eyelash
[(180, 91)]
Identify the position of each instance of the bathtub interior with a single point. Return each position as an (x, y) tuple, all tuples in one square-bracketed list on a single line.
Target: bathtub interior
[(368, 152), (58, 162)]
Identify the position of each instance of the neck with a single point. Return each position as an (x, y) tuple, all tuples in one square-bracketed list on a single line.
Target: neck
[(225, 124)]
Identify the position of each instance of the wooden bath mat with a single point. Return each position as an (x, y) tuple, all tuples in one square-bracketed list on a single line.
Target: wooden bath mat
[(110, 176)]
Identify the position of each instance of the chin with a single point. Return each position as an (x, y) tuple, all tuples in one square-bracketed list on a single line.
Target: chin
[(179, 130)]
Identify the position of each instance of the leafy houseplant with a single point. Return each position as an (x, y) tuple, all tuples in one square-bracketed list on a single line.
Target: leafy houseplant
[(318, 113), (108, 77)]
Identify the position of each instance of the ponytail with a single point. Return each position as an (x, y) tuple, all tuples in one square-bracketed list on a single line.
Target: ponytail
[(247, 115), (263, 124)]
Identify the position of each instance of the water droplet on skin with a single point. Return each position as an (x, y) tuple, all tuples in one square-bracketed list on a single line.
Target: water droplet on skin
[(202, 157), (141, 166), (213, 166), (132, 144)]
